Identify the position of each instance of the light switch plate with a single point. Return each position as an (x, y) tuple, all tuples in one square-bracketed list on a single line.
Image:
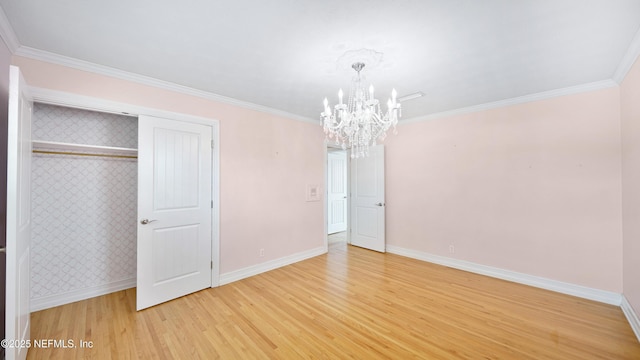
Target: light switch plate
[(313, 193)]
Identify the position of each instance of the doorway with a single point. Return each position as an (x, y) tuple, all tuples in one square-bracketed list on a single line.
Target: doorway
[(364, 216), (337, 196)]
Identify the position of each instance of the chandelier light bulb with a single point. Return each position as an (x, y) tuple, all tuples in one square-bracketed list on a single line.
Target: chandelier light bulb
[(371, 92), (327, 110), (340, 94)]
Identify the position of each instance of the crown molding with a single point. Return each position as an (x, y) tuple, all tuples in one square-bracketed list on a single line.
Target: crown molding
[(628, 60), (57, 59), (598, 85), (6, 33)]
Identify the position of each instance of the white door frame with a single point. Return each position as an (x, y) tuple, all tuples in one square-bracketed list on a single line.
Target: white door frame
[(18, 244), (327, 146), (60, 98)]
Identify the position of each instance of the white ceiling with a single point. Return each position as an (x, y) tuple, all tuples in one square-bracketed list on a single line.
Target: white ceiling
[(283, 54)]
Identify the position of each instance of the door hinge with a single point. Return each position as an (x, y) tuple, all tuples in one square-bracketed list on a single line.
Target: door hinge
[(212, 204), (211, 264), (212, 144)]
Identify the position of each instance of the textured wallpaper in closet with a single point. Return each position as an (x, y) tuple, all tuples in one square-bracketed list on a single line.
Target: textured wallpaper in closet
[(84, 208)]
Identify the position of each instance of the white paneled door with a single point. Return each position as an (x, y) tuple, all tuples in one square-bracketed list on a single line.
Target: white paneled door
[(174, 209), (367, 200), (18, 217), (337, 191)]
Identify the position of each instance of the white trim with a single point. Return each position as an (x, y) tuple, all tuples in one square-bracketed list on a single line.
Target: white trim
[(623, 68), (244, 273), (598, 85), (9, 37), (628, 60), (61, 98), (7, 34), (73, 100), (584, 292), (50, 301), (325, 203), (149, 81), (631, 315), (215, 213)]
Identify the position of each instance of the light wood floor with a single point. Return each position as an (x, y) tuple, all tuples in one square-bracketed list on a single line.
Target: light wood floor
[(350, 303), (340, 237)]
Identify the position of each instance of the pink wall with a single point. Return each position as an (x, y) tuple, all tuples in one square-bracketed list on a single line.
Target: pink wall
[(266, 162), (630, 107), (532, 188)]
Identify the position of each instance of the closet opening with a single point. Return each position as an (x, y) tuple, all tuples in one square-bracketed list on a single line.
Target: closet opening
[(84, 204)]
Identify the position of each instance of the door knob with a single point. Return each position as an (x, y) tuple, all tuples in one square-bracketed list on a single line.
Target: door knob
[(379, 204), (146, 221), (3, 250)]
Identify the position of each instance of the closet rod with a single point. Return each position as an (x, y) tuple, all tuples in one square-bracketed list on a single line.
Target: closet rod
[(83, 154)]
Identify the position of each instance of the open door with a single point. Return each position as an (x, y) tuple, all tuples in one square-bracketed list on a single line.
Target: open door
[(18, 217), (174, 209), (367, 200), (337, 191)]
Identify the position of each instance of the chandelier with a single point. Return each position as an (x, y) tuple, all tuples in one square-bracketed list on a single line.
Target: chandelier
[(359, 123)]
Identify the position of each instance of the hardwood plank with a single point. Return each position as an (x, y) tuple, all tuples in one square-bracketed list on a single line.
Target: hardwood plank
[(350, 303)]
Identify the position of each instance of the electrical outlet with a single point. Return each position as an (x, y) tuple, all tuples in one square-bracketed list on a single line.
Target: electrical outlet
[(452, 249), (261, 253)]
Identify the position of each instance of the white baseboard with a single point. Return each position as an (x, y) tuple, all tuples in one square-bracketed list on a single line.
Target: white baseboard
[(244, 273), (631, 315), (50, 301), (584, 292), (47, 302)]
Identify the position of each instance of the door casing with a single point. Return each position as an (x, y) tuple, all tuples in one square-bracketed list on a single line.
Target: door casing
[(17, 327)]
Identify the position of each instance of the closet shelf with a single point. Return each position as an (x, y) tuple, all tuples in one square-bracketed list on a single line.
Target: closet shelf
[(39, 145)]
